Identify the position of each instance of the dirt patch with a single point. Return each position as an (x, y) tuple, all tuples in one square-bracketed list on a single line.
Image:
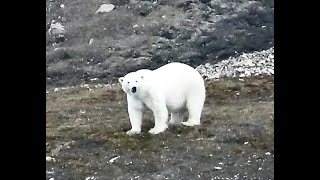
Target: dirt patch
[(86, 136)]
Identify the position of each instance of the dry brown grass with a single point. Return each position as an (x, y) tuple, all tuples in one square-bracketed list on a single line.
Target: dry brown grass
[(235, 112)]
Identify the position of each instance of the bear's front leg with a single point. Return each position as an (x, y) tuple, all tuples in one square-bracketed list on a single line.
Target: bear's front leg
[(160, 118), (135, 108)]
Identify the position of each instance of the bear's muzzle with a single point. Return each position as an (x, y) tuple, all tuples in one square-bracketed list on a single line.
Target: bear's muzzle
[(134, 89)]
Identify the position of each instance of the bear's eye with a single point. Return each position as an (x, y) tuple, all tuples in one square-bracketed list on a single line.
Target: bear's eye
[(136, 81), (128, 82)]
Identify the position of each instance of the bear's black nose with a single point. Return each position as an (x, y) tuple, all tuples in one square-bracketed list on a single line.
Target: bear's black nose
[(134, 89)]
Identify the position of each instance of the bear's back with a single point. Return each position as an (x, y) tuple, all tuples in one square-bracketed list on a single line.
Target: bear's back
[(178, 72), (178, 79)]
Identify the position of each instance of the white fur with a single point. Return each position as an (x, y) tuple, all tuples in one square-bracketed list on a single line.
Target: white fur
[(172, 88)]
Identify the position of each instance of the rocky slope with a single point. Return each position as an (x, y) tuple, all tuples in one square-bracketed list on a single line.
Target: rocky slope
[(245, 65), (100, 47)]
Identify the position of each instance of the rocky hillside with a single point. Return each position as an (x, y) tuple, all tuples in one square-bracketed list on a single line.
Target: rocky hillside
[(98, 41), (247, 64)]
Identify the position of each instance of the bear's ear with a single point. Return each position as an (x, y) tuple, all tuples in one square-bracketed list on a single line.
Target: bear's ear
[(120, 80)]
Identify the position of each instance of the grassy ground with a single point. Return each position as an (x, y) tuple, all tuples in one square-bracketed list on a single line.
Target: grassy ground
[(86, 127)]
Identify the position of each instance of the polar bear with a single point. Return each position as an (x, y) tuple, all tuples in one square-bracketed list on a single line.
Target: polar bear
[(172, 88)]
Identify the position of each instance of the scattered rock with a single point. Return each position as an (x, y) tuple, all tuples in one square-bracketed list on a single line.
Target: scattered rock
[(48, 158), (92, 177), (55, 152), (113, 159), (56, 28), (91, 41), (245, 65), (105, 8)]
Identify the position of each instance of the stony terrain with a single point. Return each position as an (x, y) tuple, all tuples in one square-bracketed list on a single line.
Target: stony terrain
[(84, 46), (245, 65)]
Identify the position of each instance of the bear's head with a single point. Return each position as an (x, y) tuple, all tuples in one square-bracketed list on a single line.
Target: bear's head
[(132, 82)]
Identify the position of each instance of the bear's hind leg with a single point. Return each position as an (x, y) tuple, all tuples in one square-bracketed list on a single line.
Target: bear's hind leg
[(194, 106)]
